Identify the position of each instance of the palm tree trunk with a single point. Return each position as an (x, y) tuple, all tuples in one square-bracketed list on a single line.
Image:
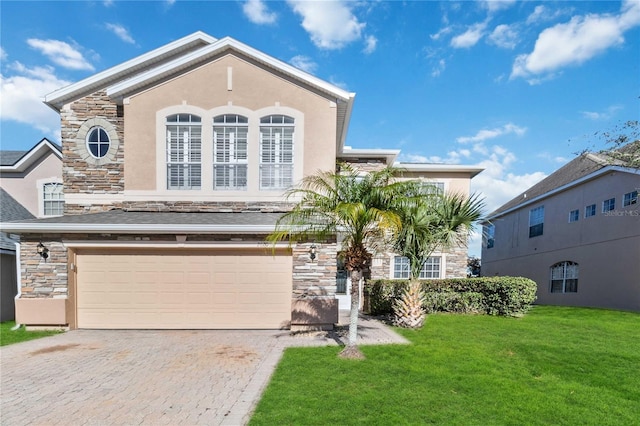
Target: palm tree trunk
[(351, 350)]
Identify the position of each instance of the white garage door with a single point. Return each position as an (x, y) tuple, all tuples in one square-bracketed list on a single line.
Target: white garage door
[(183, 290)]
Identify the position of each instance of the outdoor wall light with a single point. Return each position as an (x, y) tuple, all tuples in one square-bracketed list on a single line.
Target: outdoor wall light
[(42, 250), (312, 252)]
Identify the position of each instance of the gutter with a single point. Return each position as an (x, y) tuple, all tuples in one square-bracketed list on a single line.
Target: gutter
[(18, 280), (74, 228)]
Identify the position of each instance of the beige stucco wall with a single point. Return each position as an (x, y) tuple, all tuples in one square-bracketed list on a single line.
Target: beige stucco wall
[(606, 246), (205, 90), (458, 183), (25, 188)]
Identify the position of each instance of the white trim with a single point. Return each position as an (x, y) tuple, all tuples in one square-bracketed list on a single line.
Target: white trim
[(56, 98), (389, 155), (32, 156), (40, 184), (123, 87), (175, 244), (439, 168), (571, 184)]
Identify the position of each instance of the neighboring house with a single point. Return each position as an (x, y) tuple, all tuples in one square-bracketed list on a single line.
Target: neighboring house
[(175, 168), (576, 233), (30, 186)]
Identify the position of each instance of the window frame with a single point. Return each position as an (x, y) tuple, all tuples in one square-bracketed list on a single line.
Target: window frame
[(608, 205), (590, 210), (574, 215), (490, 235), (401, 268), (630, 198), (235, 168), (99, 144), (44, 200), (277, 174), (536, 222), (189, 170), (568, 280)]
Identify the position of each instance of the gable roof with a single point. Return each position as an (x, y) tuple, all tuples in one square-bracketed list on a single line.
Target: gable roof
[(127, 69), (582, 168), (12, 209), (186, 53), (19, 161)]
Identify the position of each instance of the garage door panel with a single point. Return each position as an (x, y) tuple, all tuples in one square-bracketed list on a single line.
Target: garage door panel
[(183, 290)]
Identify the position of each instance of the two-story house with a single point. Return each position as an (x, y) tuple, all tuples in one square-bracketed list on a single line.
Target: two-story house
[(175, 164), (30, 187), (576, 233)]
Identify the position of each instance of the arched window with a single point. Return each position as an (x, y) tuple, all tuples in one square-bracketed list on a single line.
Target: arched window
[(276, 151), (230, 151), (564, 277), (98, 142), (184, 151)]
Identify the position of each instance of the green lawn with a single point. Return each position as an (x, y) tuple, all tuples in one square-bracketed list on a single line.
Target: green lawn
[(8, 337), (555, 365)]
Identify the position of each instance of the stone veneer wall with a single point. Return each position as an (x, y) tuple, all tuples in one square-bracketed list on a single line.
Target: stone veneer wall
[(315, 278), (183, 207), (456, 264), (48, 279), (43, 278), (80, 176), (366, 165)]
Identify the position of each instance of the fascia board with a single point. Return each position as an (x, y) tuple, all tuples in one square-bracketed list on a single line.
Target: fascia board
[(440, 168), (54, 98), (345, 124), (32, 156), (569, 185), (122, 88), (389, 154), (74, 228)]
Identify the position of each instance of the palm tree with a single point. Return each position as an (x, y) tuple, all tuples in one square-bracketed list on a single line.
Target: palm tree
[(358, 208), (429, 220)]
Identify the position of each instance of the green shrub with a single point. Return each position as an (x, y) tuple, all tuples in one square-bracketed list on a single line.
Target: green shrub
[(509, 296)]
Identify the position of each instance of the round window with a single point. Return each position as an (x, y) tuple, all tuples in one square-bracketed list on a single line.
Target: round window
[(98, 142)]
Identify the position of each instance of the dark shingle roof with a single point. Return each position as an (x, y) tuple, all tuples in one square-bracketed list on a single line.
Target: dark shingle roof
[(10, 209), (577, 168), (9, 158)]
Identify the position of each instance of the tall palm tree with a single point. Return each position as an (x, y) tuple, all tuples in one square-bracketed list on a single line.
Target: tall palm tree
[(360, 208), (428, 221)]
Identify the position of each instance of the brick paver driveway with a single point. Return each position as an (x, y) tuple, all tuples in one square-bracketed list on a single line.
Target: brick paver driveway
[(116, 377)]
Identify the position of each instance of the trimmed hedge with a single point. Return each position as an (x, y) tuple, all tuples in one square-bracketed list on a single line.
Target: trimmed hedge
[(508, 296)]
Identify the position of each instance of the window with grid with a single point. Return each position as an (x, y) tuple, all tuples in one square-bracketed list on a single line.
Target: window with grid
[(608, 205), (490, 232), (433, 187), (630, 198), (590, 210), (574, 215), (53, 199), (430, 268), (536, 221), (184, 151), (564, 277), (230, 152), (276, 151)]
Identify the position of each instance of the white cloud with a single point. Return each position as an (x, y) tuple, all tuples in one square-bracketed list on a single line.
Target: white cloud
[(602, 115), (443, 31), (61, 53), (258, 13), (121, 32), (495, 5), (504, 36), (3, 54), (486, 134), (575, 42), (439, 68), (107, 3), (370, 44), (331, 25), (304, 63), (470, 37), (24, 91)]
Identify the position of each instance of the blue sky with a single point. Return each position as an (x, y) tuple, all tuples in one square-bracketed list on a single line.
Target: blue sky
[(516, 87)]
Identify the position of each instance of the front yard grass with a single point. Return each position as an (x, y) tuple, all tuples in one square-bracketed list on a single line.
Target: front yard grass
[(8, 337), (555, 365)]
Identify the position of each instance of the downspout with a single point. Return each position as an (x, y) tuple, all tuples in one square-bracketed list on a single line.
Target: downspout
[(18, 279)]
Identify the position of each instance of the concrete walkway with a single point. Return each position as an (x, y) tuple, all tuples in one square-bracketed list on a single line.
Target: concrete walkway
[(151, 377)]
